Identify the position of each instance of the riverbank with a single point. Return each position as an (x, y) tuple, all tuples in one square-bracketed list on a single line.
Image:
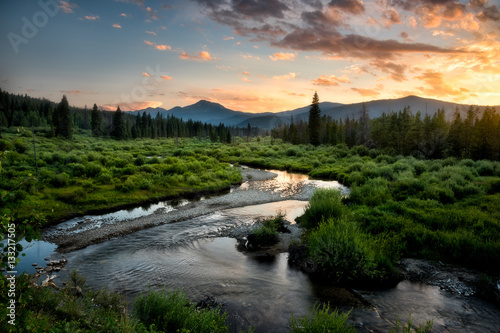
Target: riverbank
[(258, 187)]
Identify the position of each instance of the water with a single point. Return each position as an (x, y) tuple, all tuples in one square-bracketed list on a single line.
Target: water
[(262, 291)]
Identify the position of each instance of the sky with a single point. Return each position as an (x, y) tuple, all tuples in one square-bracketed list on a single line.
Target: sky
[(250, 55)]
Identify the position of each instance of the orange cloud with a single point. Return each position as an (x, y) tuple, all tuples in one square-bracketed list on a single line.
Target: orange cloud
[(166, 77), (390, 17), (202, 56), (441, 88), (116, 25), (162, 47), (245, 79), (283, 56), (145, 74), (151, 32), (158, 47), (228, 38), (366, 92), (124, 15), (330, 80), (132, 106), (288, 76)]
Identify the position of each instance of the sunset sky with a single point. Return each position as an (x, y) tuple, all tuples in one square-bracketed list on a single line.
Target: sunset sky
[(250, 55)]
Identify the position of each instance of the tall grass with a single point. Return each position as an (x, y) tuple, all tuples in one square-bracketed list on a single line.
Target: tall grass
[(321, 319), (324, 204), (172, 312)]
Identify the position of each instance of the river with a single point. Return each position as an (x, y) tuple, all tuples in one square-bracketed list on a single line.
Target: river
[(196, 255)]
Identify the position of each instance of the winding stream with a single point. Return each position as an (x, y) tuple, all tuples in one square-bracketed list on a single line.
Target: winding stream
[(196, 255)]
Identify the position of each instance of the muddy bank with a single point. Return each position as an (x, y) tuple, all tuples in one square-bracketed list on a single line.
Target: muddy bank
[(258, 187)]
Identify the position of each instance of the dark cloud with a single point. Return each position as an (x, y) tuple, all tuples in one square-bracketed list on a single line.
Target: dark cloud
[(257, 10), (319, 19), (315, 30), (313, 3), (356, 46), (478, 4), (260, 8), (404, 35), (391, 16), (490, 13), (264, 32), (351, 6), (213, 4)]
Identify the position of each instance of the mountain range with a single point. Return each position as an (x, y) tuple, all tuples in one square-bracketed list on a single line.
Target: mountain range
[(215, 113)]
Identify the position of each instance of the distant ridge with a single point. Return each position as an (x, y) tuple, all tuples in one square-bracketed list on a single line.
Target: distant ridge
[(215, 113)]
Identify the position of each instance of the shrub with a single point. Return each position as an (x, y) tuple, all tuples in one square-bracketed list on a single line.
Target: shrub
[(20, 146), (485, 168), (93, 169), (374, 192), (324, 204), (59, 180), (105, 178), (76, 169), (340, 250)]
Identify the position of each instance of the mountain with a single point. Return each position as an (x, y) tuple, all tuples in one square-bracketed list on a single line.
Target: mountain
[(215, 113)]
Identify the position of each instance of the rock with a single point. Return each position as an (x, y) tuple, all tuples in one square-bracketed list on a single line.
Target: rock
[(208, 303)]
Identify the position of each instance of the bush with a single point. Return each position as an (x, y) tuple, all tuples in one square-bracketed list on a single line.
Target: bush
[(373, 193), (172, 312), (340, 250), (324, 204), (60, 180)]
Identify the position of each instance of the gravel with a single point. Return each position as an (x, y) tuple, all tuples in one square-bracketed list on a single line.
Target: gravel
[(258, 187)]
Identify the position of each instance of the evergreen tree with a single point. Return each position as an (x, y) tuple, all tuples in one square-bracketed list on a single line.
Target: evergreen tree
[(119, 130), (96, 121), (61, 120), (314, 121)]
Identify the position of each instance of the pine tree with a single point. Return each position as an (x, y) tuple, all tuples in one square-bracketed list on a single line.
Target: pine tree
[(314, 121), (96, 121), (61, 119), (119, 131)]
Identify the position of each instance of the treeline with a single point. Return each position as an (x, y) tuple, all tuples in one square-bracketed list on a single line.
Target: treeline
[(476, 136), (63, 119)]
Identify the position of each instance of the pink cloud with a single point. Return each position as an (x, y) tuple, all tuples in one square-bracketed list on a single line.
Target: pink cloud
[(283, 56), (116, 25), (67, 7), (90, 17), (163, 47), (151, 32)]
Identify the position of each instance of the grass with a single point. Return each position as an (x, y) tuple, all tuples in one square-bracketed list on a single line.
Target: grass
[(92, 174), (173, 312), (321, 320), (267, 233)]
